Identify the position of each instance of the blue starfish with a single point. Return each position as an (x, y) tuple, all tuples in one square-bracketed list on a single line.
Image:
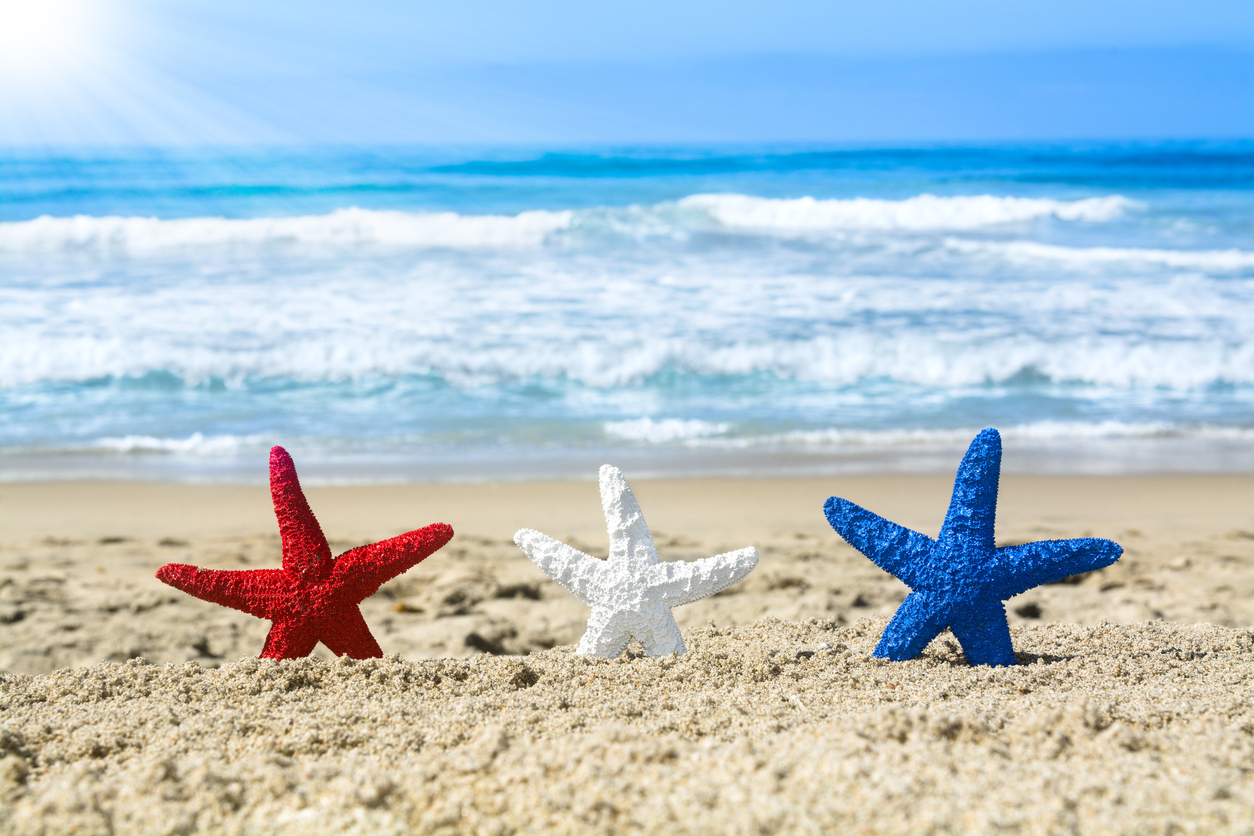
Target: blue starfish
[(960, 579)]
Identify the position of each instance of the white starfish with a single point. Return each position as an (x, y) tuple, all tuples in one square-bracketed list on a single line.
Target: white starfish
[(631, 593)]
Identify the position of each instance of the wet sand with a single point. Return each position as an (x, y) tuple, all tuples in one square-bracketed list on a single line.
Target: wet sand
[(482, 720)]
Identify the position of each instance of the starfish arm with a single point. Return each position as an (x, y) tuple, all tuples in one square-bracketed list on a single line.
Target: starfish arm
[(972, 511), (366, 568), (1020, 568), (608, 634), (348, 635), (898, 550), (260, 592), (289, 640), (982, 631), (305, 548), (658, 633), (682, 582), (630, 540), (579, 573), (918, 620)]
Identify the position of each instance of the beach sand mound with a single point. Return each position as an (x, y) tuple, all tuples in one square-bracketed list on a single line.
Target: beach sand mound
[(774, 727)]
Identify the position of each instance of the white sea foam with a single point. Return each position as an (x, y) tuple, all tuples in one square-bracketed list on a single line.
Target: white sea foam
[(697, 434), (665, 431), (924, 212), (196, 444), (1026, 251), (343, 228), (342, 342), (1034, 432)]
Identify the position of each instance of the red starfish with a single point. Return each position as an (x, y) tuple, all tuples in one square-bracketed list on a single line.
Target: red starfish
[(313, 597)]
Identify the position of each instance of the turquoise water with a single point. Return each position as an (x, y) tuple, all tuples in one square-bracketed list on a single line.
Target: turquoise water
[(400, 314)]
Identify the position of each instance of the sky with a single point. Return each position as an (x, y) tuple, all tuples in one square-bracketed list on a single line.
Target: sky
[(190, 72)]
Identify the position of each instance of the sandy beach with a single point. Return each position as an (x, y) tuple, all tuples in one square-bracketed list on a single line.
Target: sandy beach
[(130, 707)]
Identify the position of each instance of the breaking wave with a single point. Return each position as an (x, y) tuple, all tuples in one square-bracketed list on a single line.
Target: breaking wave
[(343, 228), (858, 357), (349, 228), (924, 212)]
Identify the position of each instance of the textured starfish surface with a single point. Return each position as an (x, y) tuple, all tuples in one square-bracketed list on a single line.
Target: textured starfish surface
[(960, 579), (631, 593), (313, 598)]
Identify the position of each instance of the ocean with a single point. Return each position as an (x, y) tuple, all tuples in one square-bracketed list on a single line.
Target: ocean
[(396, 314)]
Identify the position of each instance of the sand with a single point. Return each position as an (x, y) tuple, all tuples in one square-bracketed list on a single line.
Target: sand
[(1130, 711)]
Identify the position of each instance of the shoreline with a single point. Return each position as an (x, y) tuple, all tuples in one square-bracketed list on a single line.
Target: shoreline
[(1026, 455)]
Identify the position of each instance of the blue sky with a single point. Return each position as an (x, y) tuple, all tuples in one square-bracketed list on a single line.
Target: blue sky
[(183, 72)]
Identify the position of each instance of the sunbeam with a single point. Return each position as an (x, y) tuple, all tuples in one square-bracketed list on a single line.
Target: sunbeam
[(47, 37)]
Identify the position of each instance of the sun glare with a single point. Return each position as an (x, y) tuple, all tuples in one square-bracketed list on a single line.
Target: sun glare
[(42, 37)]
